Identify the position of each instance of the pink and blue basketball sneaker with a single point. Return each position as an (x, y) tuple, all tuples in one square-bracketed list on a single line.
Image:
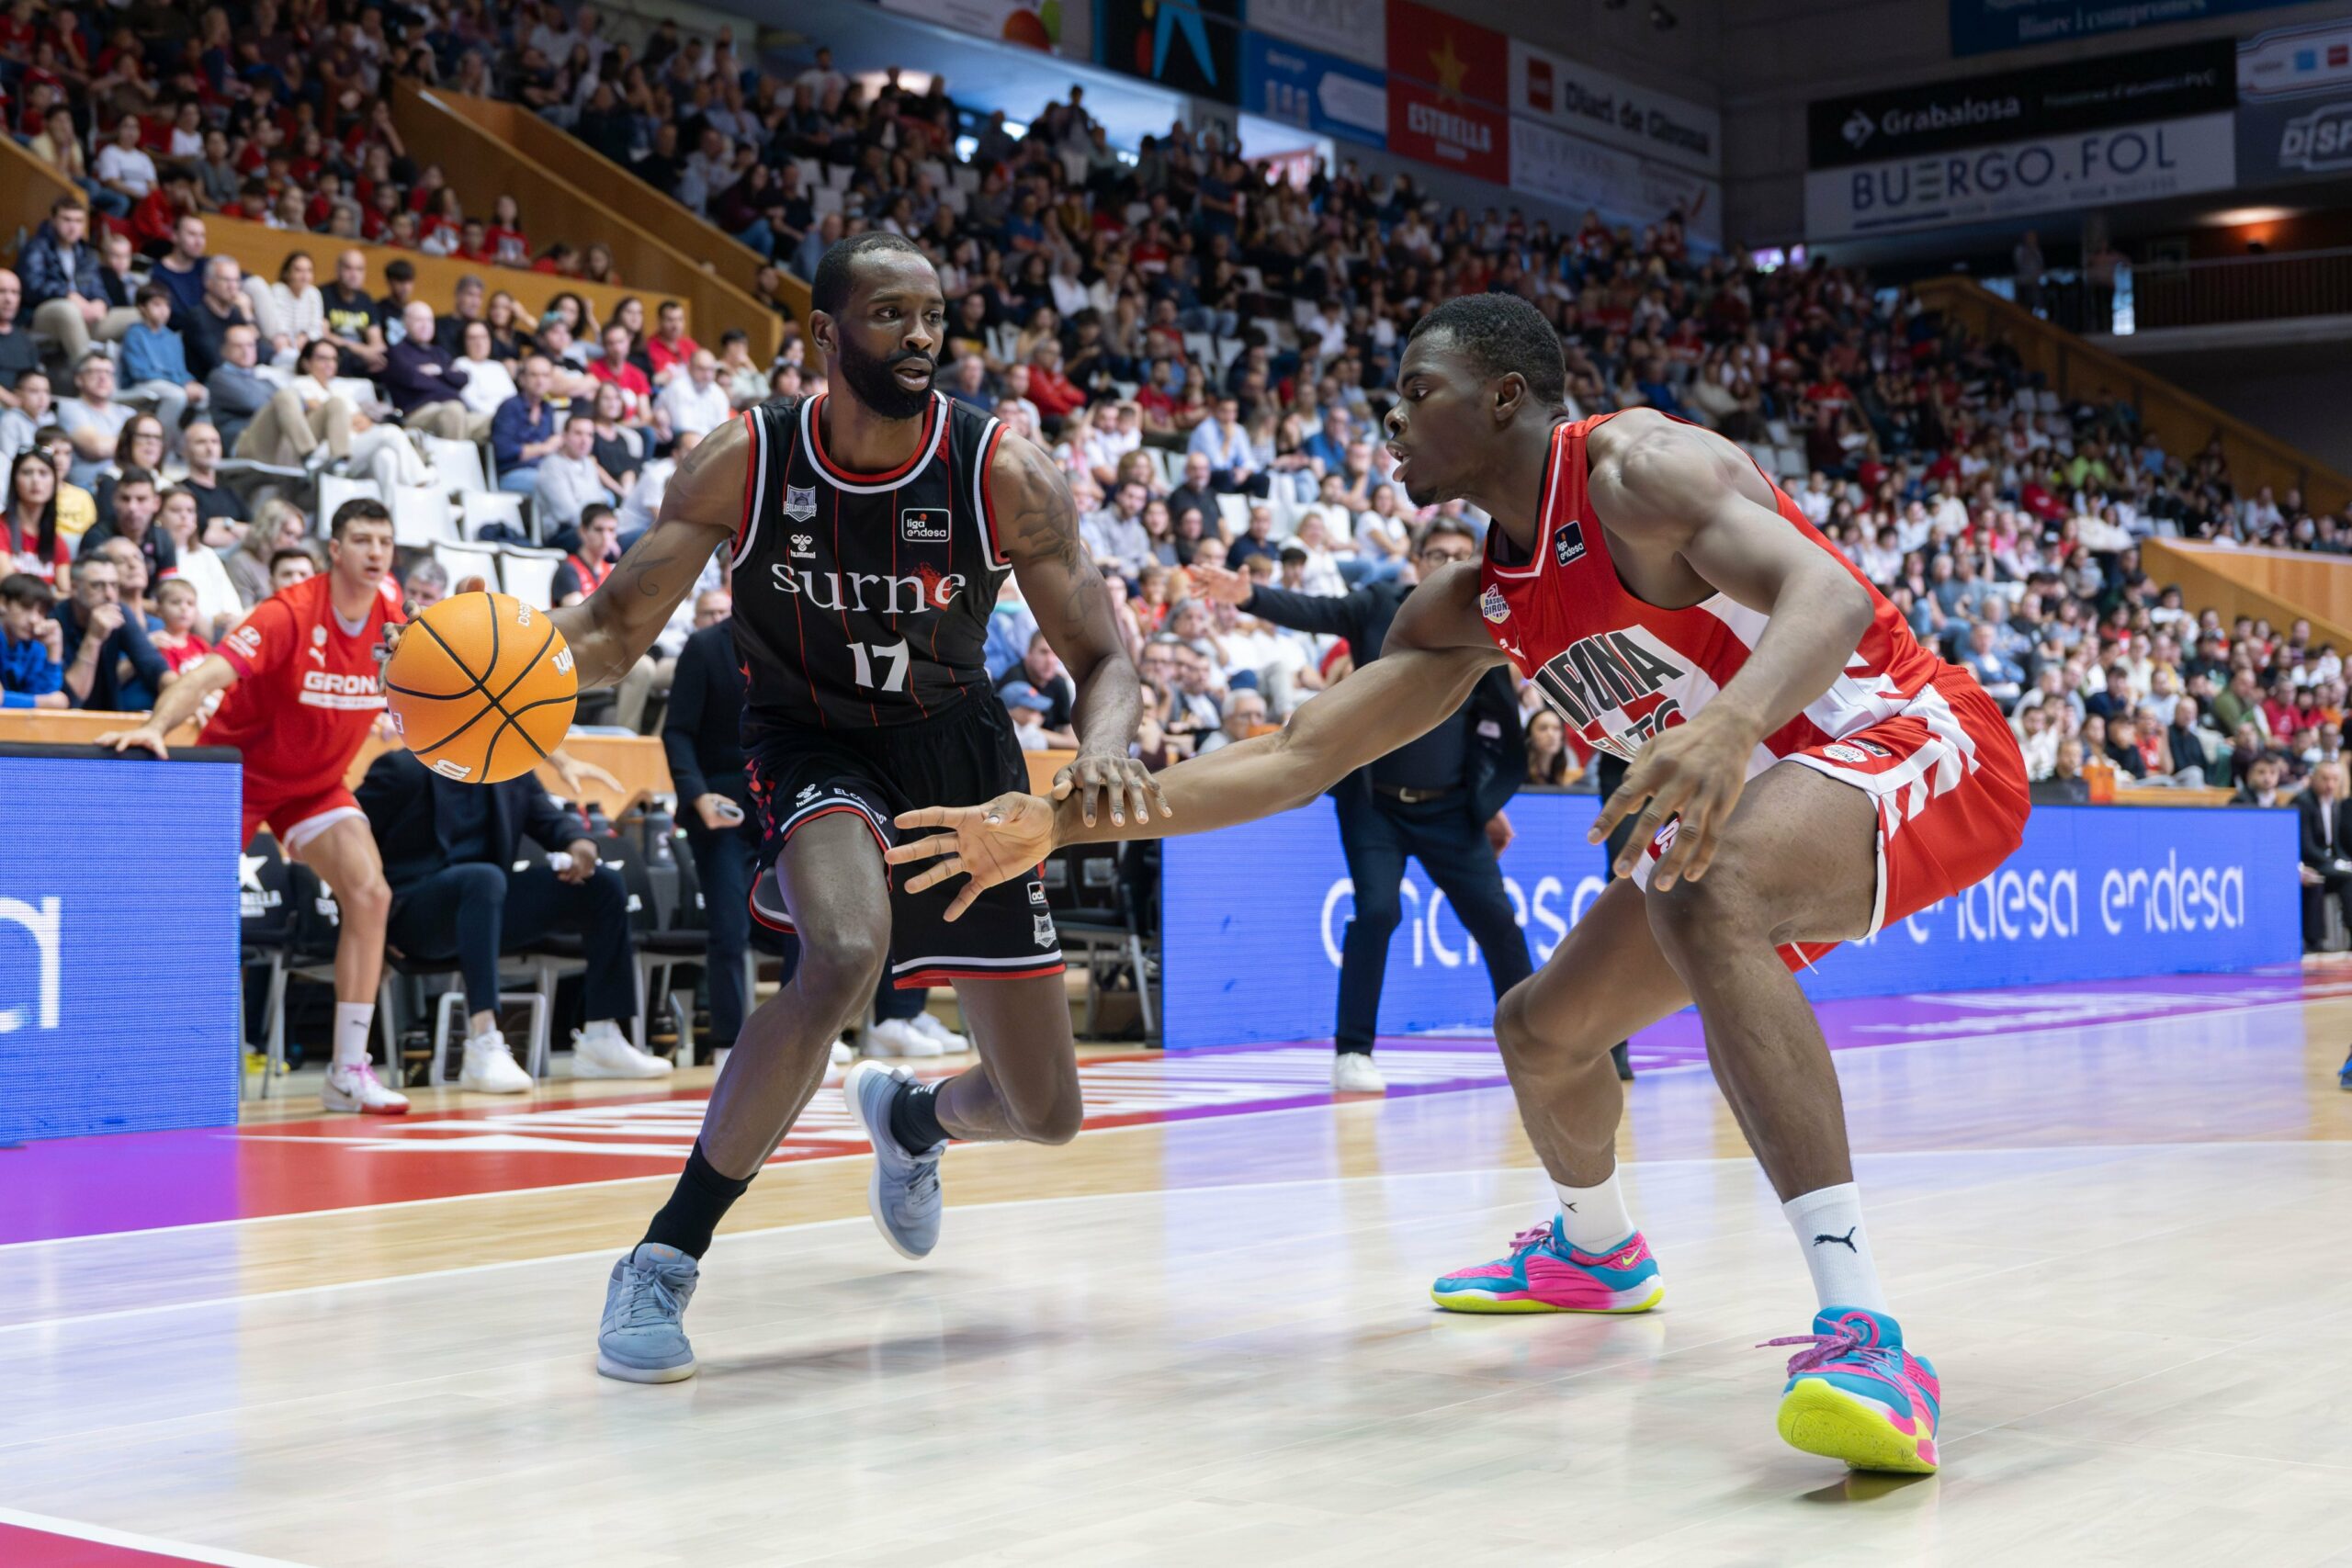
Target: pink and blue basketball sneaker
[(1543, 1273), (1855, 1394)]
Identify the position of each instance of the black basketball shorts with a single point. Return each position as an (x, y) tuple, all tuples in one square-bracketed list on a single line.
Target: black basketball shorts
[(962, 758)]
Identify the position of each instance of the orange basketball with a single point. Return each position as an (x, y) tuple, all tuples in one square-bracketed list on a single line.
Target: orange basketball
[(481, 687)]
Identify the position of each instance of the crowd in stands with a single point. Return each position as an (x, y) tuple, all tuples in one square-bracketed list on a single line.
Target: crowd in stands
[(1204, 348), (276, 112)]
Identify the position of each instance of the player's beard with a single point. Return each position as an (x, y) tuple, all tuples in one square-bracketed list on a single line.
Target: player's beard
[(875, 382)]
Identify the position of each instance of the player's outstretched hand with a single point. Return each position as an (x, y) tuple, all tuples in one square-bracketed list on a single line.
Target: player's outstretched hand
[(1219, 584), (146, 736), (1132, 789), (990, 843), (392, 636), (1690, 774)]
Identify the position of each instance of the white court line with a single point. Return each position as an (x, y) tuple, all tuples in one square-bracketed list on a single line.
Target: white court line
[(1873, 1049), (1533, 1173), (131, 1541)]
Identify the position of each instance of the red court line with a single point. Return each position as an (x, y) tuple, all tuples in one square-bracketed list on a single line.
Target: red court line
[(24, 1548), (138, 1182)]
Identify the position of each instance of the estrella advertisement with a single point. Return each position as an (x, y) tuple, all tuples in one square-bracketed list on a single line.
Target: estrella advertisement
[(2094, 893), (118, 943)]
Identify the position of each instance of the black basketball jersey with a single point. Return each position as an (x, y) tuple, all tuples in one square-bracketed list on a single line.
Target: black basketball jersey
[(863, 600)]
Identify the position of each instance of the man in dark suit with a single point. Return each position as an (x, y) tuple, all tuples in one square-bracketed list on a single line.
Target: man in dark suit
[(702, 736), (450, 851), (2326, 852), (1438, 799)]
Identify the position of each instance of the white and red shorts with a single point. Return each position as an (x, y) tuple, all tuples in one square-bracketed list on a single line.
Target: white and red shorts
[(295, 817), (1950, 785)]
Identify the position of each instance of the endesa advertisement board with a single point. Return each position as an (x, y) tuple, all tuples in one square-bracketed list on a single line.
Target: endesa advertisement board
[(1253, 916), (117, 942)]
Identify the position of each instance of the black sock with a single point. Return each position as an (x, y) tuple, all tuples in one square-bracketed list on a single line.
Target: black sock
[(696, 1204), (914, 1120)]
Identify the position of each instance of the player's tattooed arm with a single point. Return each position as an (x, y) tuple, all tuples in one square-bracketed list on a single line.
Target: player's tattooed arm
[(610, 630), (1064, 589)]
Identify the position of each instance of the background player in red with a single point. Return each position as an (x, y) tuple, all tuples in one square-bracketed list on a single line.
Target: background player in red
[(1803, 772), (300, 676)]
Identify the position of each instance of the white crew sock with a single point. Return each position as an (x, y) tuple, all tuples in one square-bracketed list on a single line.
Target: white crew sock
[(1829, 1224), (1594, 1217), (353, 1021)]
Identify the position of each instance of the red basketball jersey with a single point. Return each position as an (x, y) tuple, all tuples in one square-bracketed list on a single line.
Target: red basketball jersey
[(1618, 669), (307, 691)]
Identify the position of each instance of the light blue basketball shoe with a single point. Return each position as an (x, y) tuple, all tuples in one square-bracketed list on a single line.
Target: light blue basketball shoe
[(643, 1336), (904, 1193)]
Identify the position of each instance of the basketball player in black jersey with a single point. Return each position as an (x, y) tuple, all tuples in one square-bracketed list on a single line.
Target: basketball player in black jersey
[(870, 528)]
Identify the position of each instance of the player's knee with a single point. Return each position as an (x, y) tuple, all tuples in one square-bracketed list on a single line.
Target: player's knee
[(605, 888), (1560, 1036), (843, 960), (1716, 910), (1515, 1033), (368, 901), (1055, 1121)]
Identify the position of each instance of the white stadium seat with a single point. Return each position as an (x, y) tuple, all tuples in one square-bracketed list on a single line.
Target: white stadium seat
[(530, 573), (421, 516)]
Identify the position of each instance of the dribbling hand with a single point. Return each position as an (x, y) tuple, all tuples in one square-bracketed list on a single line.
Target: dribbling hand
[(992, 843)]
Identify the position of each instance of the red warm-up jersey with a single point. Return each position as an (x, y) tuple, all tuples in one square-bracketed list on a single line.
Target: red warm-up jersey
[(1619, 670), (307, 691)]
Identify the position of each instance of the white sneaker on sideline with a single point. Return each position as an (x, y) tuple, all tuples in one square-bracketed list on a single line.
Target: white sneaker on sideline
[(842, 1054), (926, 1023), (601, 1051), (896, 1037), (1352, 1072), (490, 1067), (356, 1087), (719, 1058)]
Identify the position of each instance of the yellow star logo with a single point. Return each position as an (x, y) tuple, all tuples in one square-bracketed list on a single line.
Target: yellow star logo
[(1450, 68)]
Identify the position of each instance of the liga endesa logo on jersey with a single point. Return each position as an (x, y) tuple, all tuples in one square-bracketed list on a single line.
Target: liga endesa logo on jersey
[(925, 525)]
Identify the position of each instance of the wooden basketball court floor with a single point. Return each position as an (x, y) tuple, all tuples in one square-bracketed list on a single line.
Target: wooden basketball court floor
[(2116, 1215)]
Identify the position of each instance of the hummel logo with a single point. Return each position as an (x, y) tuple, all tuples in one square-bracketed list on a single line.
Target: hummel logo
[(1846, 1241), (804, 546), (805, 797)]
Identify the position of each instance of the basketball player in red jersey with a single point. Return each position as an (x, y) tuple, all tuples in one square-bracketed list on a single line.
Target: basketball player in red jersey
[(300, 675), (1803, 772)]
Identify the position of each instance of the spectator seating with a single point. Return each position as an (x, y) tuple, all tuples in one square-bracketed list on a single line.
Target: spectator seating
[(1967, 454)]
